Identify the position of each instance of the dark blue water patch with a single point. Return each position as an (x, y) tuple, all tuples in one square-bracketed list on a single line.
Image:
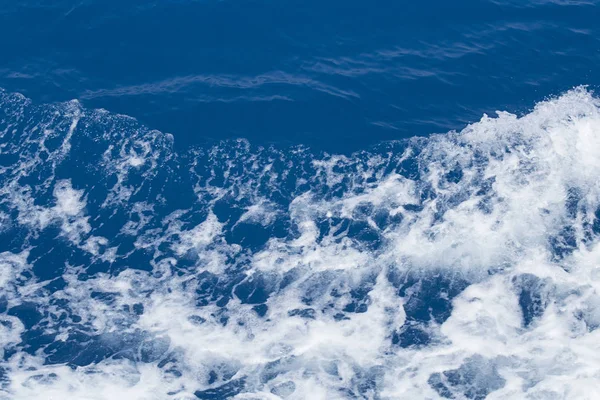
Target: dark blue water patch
[(56, 284), (223, 392), (226, 210), (207, 285), (386, 220), (533, 297), (410, 336), (216, 288), (360, 299), (50, 252), (254, 236), (356, 307), (128, 256), (81, 349), (61, 352), (41, 327), (169, 359), (261, 310), (340, 226), (455, 175), (12, 236), (413, 207), (61, 312), (428, 298), (256, 289), (138, 308), (8, 159), (36, 338), (474, 380), (596, 222), (250, 234), (29, 313), (324, 225), (364, 233), (3, 304), (212, 377), (247, 172)]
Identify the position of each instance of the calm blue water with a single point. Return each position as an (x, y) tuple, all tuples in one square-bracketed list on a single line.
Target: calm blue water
[(299, 200), (339, 76)]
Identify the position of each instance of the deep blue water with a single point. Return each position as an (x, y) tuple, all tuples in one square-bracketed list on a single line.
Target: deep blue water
[(335, 75), (299, 200)]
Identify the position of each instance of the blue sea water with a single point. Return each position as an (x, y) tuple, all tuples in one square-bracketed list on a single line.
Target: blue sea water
[(334, 75), (299, 200)]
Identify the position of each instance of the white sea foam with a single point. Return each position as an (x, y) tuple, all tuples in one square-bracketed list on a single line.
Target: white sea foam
[(464, 265)]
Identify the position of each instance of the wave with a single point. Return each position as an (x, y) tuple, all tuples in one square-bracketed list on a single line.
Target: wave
[(462, 265)]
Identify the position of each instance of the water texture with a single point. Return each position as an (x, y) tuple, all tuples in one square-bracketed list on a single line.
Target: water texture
[(249, 200)]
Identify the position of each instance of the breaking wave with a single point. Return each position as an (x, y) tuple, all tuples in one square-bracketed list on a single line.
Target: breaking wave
[(459, 266)]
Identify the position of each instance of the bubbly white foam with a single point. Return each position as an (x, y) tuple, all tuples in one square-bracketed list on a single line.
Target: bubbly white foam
[(464, 265)]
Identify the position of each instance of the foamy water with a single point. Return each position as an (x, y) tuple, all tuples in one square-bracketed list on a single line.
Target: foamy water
[(460, 266)]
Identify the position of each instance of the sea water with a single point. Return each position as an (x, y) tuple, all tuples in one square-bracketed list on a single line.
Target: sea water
[(249, 200)]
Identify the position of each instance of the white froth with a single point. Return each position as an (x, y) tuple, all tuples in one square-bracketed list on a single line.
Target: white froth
[(491, 206)]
